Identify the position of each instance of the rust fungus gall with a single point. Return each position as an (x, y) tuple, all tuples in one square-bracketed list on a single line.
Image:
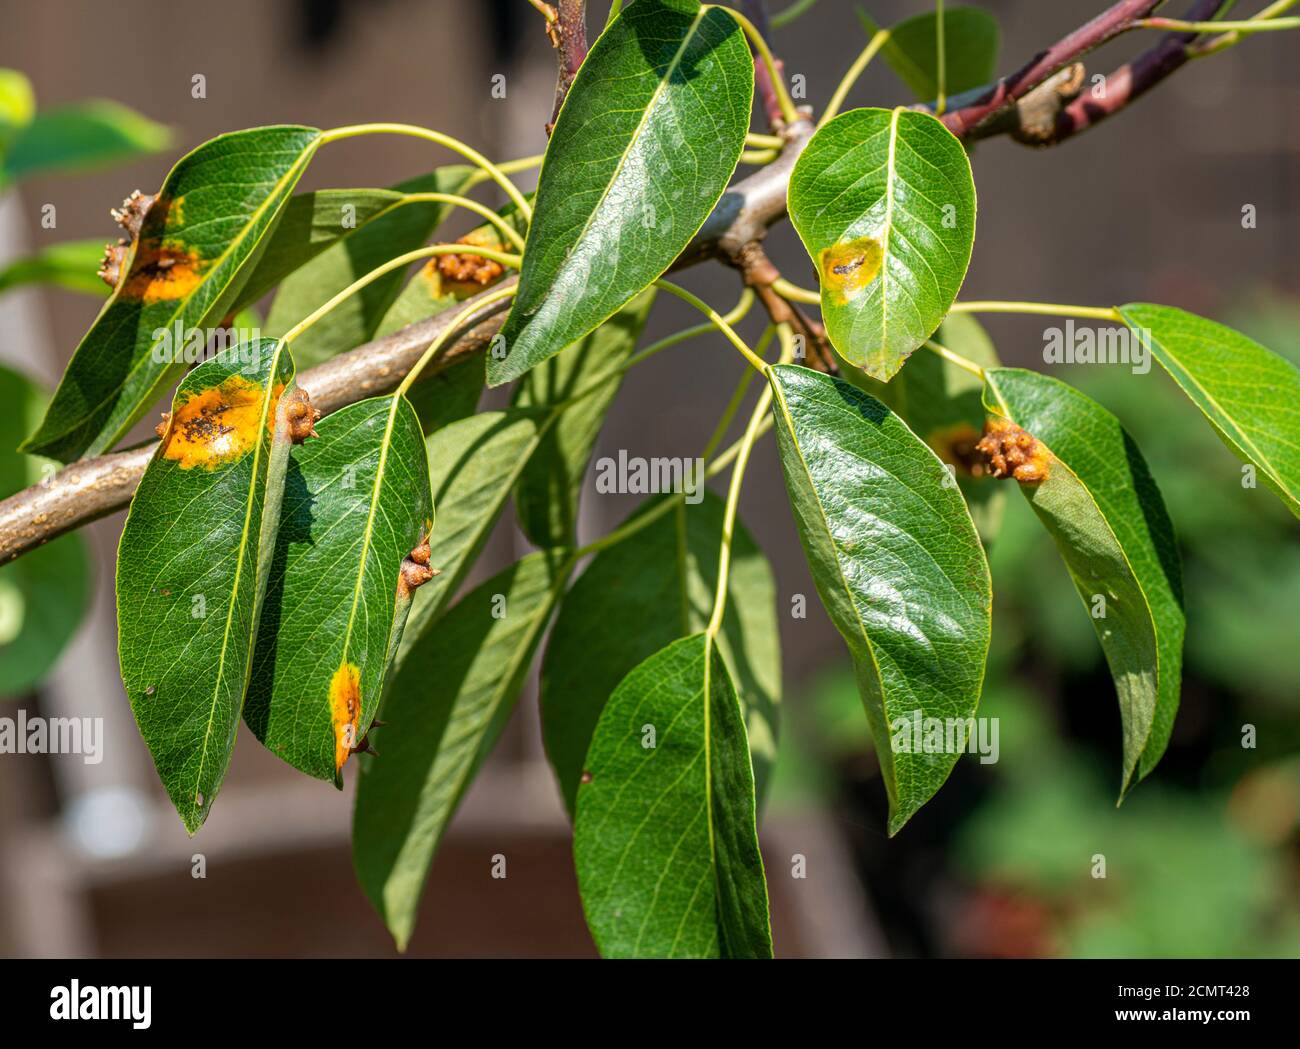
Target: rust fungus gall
[(848, 267), (300, 415), (1009, 451), (215, 426), (467, 274), (345, 710), (415, 571)]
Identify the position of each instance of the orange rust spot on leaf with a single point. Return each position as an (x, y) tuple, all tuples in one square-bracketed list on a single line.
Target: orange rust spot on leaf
[(848, 267), (163, 272), (217, 425), (345, 711), (1009, 451)]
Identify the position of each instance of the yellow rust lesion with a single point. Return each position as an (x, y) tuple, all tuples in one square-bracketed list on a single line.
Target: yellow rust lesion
[(218, 425), (1009, 451), (163, 272), (345, 711), (849, 266), (165, 268)]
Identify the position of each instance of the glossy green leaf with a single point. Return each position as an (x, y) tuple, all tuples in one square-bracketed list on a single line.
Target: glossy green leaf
[(356, 503), (1106, 515), (944, 406), (312, 223), (885, 205), (80, 137), (193, 564), (392, 233), (897, 562), (444, 710), (199, 243), (473, 464), (43, 595), (970, 51), (1250, 395), (636, 598), (72, 265), (448, 395), (664, 837), (546, 497), (628, 180)]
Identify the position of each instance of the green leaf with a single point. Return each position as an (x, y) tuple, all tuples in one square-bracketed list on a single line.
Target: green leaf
[(43, 595), (1250, 395), (448, 395), (897, 563), (199, 242), (1105, 514), (639, 596), (446, 706), (664, 840), (81, 137), (944, 406), (648, 137), (356, 320), (970, 51), (473, 464), (72, 265), (193, 564), (356, 503), (311, 223), (546, 497), (885, 205)]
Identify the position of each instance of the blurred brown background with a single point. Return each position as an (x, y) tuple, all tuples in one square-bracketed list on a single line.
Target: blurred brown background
[(1147, 206)]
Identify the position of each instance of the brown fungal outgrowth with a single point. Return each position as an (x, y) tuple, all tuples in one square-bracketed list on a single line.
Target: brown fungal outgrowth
[(301, 416), (130, 216), (161, 428), (415, 570), (472, 270), (1010, 451), (364, 747)]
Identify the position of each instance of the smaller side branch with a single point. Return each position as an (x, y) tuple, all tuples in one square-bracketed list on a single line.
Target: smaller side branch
[(566, 26)]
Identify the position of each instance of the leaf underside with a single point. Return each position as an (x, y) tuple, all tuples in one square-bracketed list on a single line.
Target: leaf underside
[(1106, 516)]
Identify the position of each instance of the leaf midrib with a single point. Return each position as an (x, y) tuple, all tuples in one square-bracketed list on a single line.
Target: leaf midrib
[(239, 569), (634, 138)]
